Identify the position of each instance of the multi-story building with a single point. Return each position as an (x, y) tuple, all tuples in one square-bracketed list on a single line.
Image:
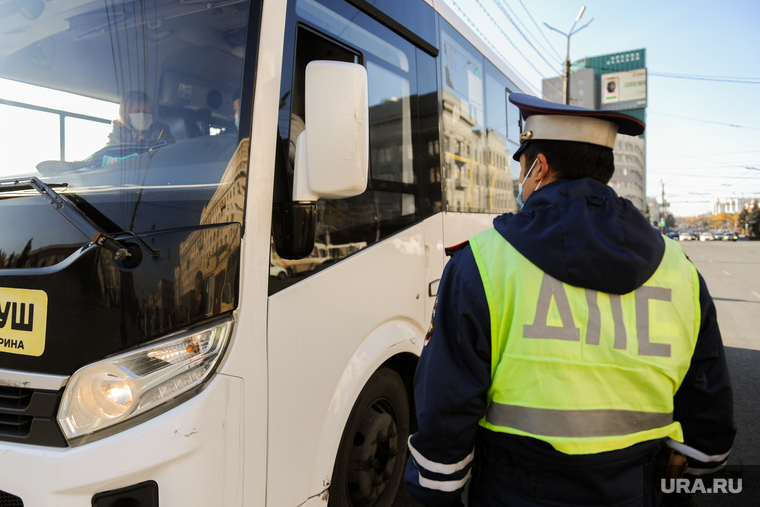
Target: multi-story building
[(629, 179), (613, 82), (584, 89), (733, 205), (653, 211)]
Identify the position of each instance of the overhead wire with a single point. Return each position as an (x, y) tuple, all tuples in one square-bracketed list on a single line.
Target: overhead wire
[(511, 19), (706, 121), (701, 159), (709, 154), (540, 31), (511, 42), (696, 77), (705, 176), (488, 41), (506, 14), (508, 39)]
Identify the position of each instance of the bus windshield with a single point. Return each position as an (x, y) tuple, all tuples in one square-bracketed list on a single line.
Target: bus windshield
[(133, 108)]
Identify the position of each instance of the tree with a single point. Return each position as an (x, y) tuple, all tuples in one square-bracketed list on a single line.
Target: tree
[(722, 221), (754, 223), (743, 218)]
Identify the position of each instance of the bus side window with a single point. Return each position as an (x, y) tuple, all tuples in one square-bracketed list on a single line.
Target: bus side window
[(477, 128), (403, 177), (310, 47)]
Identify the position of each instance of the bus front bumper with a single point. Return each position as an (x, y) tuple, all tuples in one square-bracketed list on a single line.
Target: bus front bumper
[(193, 452)]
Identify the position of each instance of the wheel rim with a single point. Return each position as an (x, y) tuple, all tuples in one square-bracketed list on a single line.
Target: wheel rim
[(373, 455)]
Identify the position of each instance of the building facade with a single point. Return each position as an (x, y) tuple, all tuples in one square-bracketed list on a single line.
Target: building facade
[(733, 205), (629, 179), (584, 89), (613, 82)]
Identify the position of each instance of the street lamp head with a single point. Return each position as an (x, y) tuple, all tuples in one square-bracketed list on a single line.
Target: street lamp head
[(580, 13)]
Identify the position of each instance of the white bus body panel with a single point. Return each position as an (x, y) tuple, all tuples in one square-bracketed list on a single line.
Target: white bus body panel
[(327, 335), (305, 354), (459, 227), (193, 452), (247, 356)]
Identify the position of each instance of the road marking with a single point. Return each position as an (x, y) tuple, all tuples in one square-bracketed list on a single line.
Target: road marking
[(726, 272), (756, 294)]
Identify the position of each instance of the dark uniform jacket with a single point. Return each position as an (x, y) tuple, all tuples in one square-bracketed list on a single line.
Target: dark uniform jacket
[(583, 234)]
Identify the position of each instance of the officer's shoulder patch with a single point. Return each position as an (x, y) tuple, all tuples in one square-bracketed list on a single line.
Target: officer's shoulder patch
[(451, 249), (429, 335)]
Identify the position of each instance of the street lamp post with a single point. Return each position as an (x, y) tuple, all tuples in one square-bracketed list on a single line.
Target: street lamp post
[(566, 77)]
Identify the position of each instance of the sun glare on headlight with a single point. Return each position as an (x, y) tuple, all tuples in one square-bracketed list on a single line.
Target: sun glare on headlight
[(104, 395), (109, 392)]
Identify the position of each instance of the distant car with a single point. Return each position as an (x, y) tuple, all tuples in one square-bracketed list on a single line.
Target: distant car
[(730, 236), (685, 236), (278, 271), (718, 236), (706, 236), (673, 234)]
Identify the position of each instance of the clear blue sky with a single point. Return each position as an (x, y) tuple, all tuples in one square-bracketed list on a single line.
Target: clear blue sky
[(698, 161)]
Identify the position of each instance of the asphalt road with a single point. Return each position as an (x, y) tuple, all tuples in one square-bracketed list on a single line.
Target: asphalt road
[(732, 273)]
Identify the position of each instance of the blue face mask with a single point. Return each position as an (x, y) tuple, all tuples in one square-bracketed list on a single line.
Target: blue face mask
[(519, 195)]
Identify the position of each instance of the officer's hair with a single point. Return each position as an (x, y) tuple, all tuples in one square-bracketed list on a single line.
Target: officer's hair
[(573, 160)]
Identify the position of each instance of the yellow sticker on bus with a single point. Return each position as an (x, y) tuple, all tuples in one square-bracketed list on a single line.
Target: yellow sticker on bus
[(23, 321)]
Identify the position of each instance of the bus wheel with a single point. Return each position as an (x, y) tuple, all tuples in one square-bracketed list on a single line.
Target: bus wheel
[(372, 453)]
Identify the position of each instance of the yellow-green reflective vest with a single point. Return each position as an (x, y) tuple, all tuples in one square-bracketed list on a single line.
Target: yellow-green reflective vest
[(585, 371)]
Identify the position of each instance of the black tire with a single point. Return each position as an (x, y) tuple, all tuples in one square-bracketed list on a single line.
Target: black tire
[(282, 275), (372, 453)]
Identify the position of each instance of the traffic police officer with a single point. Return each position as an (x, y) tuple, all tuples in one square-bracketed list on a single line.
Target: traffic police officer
[(569, 343)]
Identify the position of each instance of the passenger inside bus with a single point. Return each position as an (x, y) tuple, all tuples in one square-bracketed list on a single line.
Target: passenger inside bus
[(136, 123)]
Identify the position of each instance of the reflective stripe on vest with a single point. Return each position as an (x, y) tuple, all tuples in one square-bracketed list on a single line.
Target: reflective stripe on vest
[(585, 371)]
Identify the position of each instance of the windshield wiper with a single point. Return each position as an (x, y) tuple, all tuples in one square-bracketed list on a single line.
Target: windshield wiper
[(129, 254)]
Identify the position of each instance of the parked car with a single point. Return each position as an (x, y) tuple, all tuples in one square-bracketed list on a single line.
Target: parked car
[(730, 236), (278, 271), (685, 236), (706, 236), (718, 236)]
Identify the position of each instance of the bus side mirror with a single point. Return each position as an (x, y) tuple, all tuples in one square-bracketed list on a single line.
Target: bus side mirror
[(332, 153), (294, 227)]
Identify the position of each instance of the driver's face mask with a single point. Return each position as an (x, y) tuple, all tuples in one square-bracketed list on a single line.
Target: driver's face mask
[(141, 121), (237, 121)]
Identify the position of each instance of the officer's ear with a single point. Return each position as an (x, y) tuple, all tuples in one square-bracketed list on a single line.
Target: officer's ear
[(542, 169)]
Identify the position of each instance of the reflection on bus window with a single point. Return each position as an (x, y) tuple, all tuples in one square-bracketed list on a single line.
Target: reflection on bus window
[(131, 104), (404, 185), (476, 147)]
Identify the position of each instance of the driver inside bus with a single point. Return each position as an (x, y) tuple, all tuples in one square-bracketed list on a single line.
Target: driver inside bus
[(136, 123)]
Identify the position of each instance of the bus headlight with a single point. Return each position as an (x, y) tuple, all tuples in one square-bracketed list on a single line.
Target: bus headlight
[(104, 395), (115, 390)]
